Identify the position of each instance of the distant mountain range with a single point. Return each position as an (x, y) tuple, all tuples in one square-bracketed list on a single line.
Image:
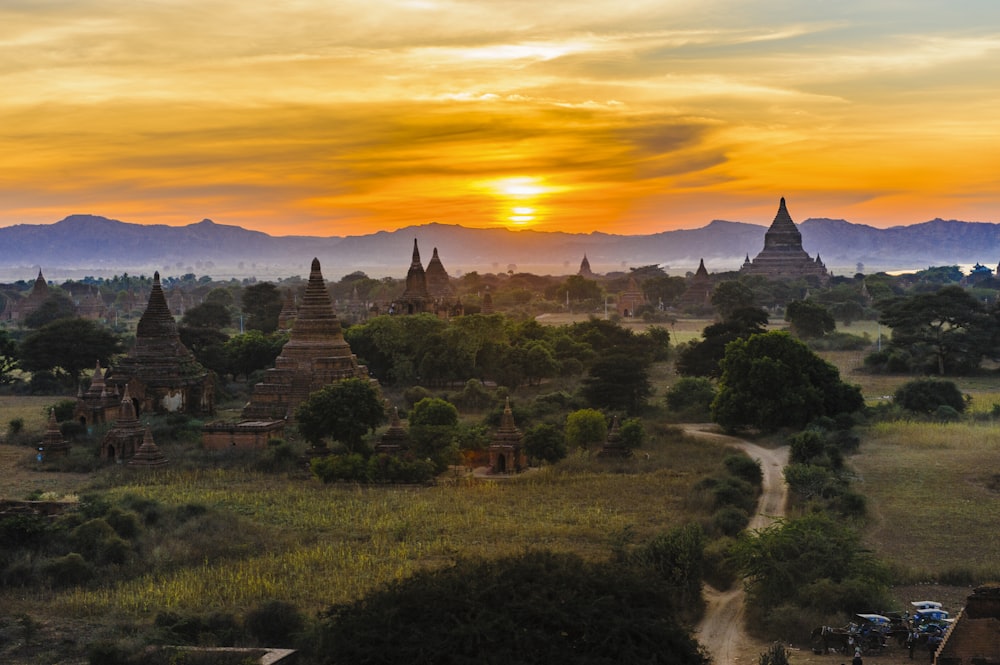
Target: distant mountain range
[(89, 245)]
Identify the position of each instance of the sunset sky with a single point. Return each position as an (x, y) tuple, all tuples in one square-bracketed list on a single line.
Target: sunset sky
[(346, 117)]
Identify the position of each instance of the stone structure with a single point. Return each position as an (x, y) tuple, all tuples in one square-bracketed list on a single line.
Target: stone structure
[(16, 311), (783, 256), (53, 444), (974, 638), (396, 439), (161, 373), (631, 299), (614, 447), (698, 295), (585, 270), (149, 455), (315, 355), (507, 447), (487, 305), (427, 291), (288, 313), (99, 403), (121, 442)]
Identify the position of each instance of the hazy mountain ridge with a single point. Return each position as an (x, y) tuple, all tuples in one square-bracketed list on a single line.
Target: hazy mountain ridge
[(98, 244)]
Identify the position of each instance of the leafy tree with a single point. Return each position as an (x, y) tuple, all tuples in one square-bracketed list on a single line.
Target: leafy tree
[(809, 319), (539, 362), (209, 347), (702, 358), (220, 296), (344, 411), (262, 304), (786, 562), (546, 442), (66, 347), (585, 428), (663, 289), (209, 314), (538, 607), (947, 331), (691, 393), (928, 395), (619, 382), (8, 357), (253, 350), (433, 427), (727, 297), (772, 380), (633, 434), (56, 306), (579, 290)]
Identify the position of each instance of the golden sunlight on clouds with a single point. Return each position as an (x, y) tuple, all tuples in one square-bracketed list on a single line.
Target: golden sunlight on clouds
[(356, 116)]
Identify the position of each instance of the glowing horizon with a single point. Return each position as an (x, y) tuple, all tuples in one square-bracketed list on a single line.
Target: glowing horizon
[(317, 118)]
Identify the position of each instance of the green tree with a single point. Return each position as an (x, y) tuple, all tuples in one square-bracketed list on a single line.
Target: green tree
[(66, 347), (8, 357), (538, 607), (619, 382), (585, 428), (344, 411), (663, 289), (947, 331), (729, 296), (262, 304), (56, 306), (772, 380), (633, 433), (433, 428), (701, 358), (809, 319), (579, 290), (928, 395), (545, 442), (691, 394), (253, 350), (209, 314)]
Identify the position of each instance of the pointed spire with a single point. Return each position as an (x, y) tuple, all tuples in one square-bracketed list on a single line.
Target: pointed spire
[(416, 254), (149, 454)]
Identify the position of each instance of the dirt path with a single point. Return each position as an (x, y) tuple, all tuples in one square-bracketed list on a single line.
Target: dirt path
[(721, 629)]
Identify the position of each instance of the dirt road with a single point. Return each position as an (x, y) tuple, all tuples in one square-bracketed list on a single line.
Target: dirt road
[(721, 629)]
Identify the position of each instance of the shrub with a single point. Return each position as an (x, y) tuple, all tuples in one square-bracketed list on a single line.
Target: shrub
[(691, 393), (68, 570), (730, 520), (274, 623), (14, 426), (926, 395), (735, 492), (745, 468)]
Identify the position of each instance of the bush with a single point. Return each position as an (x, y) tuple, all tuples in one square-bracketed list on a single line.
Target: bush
[(275, 623), (730, 520), (69, 570), (926, 395), (691, 394), (745, 468)]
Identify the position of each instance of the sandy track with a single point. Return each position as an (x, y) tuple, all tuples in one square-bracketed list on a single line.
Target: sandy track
[(721, 628)]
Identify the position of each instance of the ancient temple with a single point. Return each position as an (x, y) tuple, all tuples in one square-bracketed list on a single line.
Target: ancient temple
[(121, 442), (396, 439), (974, 638), (487, 306), (99, 403), (585, 270), (315, 355), (783, 256), (613, 446), (415, 298), (698, 294), (53, 444), (18, 310), (427, 291), (161, 373), (631, 299), (439, 285), (148, 456), (507, 447)]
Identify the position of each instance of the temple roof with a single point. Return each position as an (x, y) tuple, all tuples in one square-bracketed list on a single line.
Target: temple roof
[(416, 279), (783, 231), (157, 321), (438, 282), (149, 454), (317, 331)]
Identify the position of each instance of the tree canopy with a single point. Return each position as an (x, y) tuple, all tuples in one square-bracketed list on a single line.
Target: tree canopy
[(538, 607), (809, 319), (344, 411), (66, 347), (772, 380)]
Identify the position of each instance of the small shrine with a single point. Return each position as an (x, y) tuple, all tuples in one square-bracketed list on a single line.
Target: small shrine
[(99, 404), (396, 439), (698, 294), (613, 446), (507, 448), (53, 444), (125, 437), (148, 456), (631, 299)]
